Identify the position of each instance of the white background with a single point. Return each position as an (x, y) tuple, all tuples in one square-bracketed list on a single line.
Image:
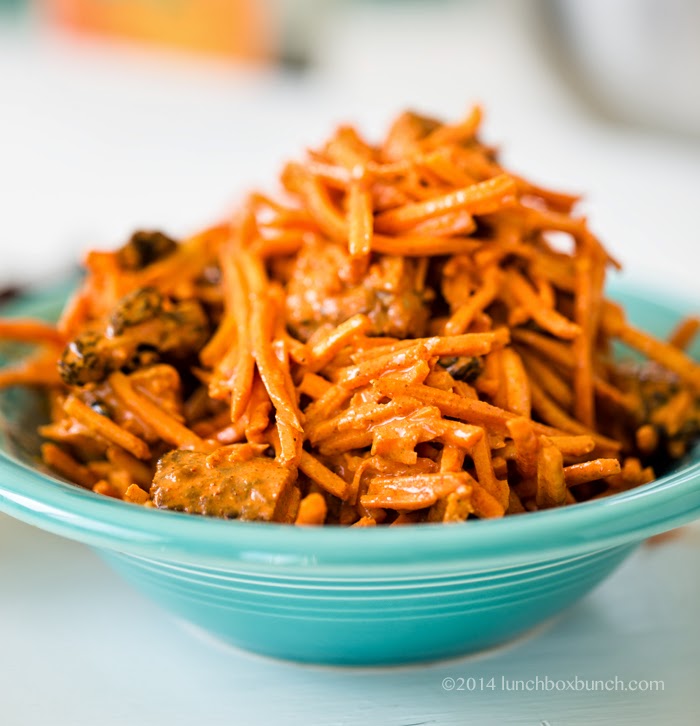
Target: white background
[(95, 141)]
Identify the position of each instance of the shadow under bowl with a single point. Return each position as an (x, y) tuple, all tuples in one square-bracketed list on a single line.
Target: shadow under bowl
[(346, 596)]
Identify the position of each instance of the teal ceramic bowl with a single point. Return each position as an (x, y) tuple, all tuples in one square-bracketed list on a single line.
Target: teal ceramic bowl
[(349, 596)]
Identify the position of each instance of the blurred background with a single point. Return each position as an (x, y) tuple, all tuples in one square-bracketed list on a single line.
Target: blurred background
[(119, 114)]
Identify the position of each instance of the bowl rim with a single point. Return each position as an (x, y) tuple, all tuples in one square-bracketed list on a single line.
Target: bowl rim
[(66, 509)]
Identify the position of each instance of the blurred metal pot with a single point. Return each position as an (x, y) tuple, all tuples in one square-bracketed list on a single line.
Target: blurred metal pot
[(637, 60)]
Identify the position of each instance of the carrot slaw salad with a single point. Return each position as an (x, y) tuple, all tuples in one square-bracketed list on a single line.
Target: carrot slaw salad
[(395, 338)]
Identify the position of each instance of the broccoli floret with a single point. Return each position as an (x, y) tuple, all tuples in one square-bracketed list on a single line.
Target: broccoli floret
[(463, 368), (144, 327), (144, 248)]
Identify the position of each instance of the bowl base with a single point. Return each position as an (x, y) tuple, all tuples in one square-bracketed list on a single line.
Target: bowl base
[(220, 643)]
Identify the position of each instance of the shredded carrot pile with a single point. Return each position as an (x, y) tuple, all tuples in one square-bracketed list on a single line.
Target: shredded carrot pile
[(409, 333)]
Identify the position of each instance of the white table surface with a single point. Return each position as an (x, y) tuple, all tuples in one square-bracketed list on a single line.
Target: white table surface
[(96, 141), (80, 647)]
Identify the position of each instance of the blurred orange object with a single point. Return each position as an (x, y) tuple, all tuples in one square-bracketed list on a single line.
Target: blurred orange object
[(240, 28)]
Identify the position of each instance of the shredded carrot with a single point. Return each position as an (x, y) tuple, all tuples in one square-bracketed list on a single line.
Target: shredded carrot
[(551, 484), (583, 370), (360, 224), (167, 427), (271, 369), (312, 510), (30, 331), (36, 371), (314, 386), (647, 439), (139, 472), (574, 445), (136, 495), (548, 378), (323, 351), (485, 474), (412, 492), (590, 471), (258, 412), (106, 428), (485, 505), (555, 416), (526, 446), (515, 383), (484, 296), (450, 134), (551, 320), (365, 522), (323, 476), (481, 198), (65, 465), (239, 361), (684, 333)]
